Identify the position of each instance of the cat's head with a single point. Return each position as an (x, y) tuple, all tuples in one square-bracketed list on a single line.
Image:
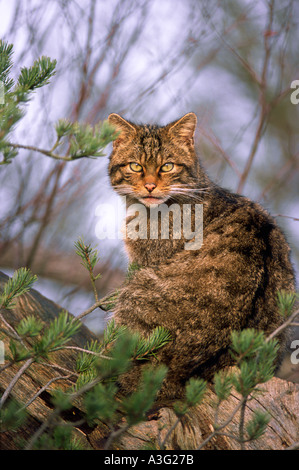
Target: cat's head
[(154, 164)]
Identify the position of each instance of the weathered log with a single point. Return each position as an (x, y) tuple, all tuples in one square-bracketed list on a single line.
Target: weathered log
[(280, 399)]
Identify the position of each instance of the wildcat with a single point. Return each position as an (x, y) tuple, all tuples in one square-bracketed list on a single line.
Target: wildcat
[(200, 296)]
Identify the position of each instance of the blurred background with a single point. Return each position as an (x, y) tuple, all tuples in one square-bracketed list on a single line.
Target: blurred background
[(232, 62)]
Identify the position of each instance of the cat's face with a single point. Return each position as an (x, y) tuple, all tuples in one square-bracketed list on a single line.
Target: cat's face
[(153, 164)]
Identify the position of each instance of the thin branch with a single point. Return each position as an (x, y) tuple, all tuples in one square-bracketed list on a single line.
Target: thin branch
[(46, 216), (283, 326), (48, 153), (56, 366), (287, 217), (114, 435), (87, 351), (25, 366), (55, 379), (169, 432), (242, 422), (294, 446), (215, 142), (265, 108), (14, 334), (89, 310), (51, 418), (223, 425), (257, 139)]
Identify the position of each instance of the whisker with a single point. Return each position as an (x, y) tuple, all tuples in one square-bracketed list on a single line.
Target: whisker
[(195, 197), (188, 192), (124, 190), (186, 188)]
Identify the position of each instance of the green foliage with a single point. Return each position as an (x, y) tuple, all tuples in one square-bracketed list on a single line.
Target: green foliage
[(83, 140), (108, 303), (36, 76), (222, 385), (147, 347), (255, 357), (61, 400), (29, 327), (12, 416), (86, 361), (120, 356), (61, 438), (195, 391), (21, 281), (141, 401), (47, 340), (256, 426), (88, 141), (88, 365), (6, 52), (286, 301), (63, 128), (100, 403), (89, 258), (56, 335), (88, 255), (112, 333), (17, 94), (132, 268), (18, 351)]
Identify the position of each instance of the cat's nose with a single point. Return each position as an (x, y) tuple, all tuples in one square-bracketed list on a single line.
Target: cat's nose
[(150, 187)]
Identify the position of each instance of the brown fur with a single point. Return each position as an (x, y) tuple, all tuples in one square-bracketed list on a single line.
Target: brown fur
[(200, 296)]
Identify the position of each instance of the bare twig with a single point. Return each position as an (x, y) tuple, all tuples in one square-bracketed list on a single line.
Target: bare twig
[(46, 216), (45, 387), (89, 310), (48, 153), (287, 217), (287, 323), (114, 435), (242, 422), (20, 372), (86, 351), (265, 108), (223, 425)]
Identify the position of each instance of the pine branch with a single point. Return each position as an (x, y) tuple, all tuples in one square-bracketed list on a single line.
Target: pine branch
[(147, 347), (6, 52), (58, 333), (21, 281), (83, 140), (37, 75), (89, 258)]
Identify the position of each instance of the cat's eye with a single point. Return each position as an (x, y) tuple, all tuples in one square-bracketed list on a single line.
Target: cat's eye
[(166, 167), (135, 167)]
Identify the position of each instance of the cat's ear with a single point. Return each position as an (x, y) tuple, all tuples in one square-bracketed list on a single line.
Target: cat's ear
[(124, 128), (184, 128)]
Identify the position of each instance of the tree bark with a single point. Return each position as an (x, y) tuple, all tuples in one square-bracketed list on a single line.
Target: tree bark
[(280, 399)]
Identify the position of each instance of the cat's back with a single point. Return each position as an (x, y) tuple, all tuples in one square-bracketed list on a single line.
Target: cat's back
[(234, 224)]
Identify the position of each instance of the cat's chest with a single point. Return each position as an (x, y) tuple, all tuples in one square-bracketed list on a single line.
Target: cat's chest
[(151, 252)]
